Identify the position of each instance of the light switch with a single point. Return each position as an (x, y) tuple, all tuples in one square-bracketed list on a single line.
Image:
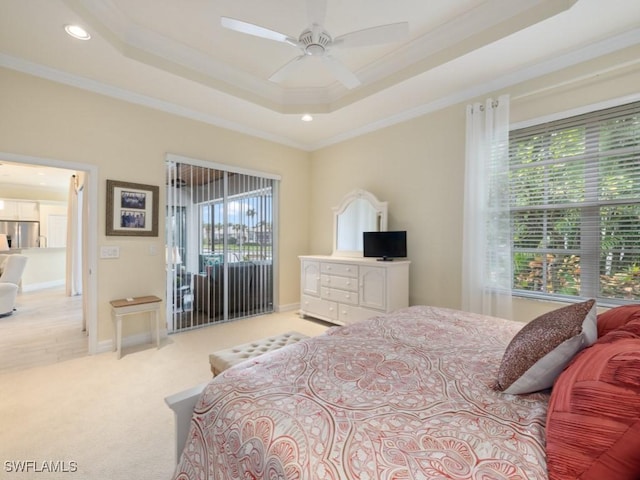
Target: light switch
[(109, 252)]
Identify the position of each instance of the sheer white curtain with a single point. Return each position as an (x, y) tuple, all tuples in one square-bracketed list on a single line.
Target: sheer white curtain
[(77, 273), (486, 257), (74, 237)]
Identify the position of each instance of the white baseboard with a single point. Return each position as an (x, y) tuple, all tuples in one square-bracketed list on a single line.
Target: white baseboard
[(288, 308), (130, 341), (145, 337), (41, 286)]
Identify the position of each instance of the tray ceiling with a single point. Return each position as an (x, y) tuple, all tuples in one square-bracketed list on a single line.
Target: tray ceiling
[(175, 55)]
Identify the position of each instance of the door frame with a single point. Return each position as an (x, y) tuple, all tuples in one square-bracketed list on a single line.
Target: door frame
[(91, 297)]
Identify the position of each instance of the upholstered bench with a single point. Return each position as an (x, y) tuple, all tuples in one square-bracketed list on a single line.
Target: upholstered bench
[(223, 359)]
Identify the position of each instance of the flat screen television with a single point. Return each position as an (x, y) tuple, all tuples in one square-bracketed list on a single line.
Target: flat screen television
[(385, 245)]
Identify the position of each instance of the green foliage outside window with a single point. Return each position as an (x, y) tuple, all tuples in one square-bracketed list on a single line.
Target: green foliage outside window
[(575, 206)]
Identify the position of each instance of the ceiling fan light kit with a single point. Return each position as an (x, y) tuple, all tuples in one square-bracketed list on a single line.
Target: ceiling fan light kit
[(315, 41)]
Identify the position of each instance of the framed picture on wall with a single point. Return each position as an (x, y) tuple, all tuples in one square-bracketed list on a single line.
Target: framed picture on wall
[(132, 209)]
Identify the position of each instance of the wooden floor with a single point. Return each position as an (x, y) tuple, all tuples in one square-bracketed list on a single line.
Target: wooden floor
[(46, 328)]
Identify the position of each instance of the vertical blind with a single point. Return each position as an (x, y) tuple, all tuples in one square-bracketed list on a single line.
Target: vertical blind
[(575, 206), (220, 244)]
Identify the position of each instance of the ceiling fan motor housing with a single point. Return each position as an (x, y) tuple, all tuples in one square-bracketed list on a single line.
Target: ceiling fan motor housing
[(315, 45)]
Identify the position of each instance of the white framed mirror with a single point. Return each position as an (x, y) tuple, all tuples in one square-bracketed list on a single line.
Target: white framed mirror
[(360, 211)]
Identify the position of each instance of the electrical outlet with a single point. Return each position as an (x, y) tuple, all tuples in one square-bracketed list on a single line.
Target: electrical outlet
[(109, 252)]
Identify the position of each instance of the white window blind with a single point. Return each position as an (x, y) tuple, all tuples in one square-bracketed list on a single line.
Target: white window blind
[(575, 206), (220, 251)]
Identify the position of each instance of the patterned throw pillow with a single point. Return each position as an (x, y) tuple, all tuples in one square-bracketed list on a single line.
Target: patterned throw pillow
[(616, 317), (542, 348), (593, 422)]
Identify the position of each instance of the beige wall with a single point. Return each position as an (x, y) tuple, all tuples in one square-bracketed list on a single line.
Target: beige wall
[(418, 167), (128, 143)]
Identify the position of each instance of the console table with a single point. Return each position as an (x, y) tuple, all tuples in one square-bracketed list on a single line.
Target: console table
[(129, 306)]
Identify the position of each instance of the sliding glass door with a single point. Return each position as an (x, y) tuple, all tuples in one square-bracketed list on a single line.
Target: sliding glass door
[(220, 243)]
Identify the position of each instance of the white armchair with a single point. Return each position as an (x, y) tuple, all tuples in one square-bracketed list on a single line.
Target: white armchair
[(9, 282)]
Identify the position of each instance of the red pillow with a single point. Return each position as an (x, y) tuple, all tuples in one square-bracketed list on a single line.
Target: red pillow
[(616, 317), (593, 423)]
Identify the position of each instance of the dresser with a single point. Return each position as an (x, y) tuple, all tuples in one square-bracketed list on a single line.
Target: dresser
[(344, 290)]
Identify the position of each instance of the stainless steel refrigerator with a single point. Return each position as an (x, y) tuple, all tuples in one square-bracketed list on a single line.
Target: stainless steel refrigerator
[(21, 234)]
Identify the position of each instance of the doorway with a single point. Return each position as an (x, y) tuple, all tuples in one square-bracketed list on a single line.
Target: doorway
[(220, 247), (44, 299)]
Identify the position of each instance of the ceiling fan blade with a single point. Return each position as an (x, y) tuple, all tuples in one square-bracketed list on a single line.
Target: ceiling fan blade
[(287, 69), (316, 11), (340, 72), (374, 35), (256, 30)]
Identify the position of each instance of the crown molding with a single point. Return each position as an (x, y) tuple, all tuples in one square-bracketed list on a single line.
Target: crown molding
[(627, 39), (94, 86), (488, 22)]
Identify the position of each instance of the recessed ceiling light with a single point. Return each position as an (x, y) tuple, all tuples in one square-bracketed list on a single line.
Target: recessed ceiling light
[(306, 117), (77, 31)]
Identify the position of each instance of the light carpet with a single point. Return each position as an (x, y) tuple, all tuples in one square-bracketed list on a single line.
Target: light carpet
[(98, 417)]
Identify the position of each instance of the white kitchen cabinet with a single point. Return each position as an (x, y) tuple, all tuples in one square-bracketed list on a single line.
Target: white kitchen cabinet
[(19, 210), (345, 290)]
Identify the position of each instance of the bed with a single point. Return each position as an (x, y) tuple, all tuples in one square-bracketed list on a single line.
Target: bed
[(410, 395)]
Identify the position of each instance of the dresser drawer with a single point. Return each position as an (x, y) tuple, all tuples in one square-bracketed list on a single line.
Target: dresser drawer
[(341, 296), (342, 283), (343, 269), (322, 308)]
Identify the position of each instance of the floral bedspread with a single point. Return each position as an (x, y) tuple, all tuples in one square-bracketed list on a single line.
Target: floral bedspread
[(398, 397)]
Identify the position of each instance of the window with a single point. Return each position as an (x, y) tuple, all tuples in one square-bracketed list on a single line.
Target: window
[(575, 206), (248, 228)]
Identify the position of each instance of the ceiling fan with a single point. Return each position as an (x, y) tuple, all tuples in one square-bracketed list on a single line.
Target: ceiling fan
[(315, 41)]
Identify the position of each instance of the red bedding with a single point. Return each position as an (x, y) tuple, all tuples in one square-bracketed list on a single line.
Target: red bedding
[(404, 396)]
